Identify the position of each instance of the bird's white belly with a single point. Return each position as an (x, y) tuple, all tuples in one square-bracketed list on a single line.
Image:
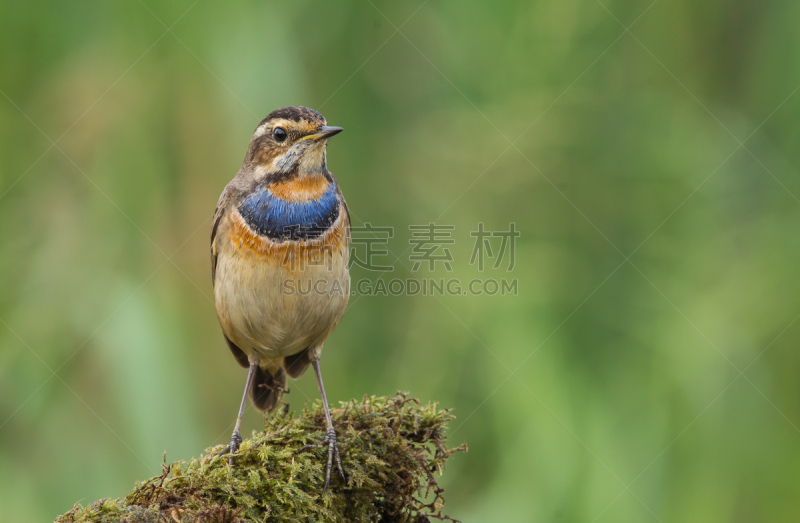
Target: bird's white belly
[(270, 311)]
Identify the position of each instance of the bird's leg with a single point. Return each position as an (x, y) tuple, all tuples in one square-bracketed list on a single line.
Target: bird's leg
[(330, 434), (236, 437)]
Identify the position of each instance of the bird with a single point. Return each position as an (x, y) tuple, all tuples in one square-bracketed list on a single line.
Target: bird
[(282, 228)]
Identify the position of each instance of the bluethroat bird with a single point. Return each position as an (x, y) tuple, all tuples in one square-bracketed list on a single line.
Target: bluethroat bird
[(281, 229)]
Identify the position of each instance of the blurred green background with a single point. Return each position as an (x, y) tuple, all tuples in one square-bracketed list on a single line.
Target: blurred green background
[(671, 373)]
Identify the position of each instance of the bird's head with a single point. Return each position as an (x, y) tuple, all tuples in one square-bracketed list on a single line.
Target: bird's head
[(290, 143)]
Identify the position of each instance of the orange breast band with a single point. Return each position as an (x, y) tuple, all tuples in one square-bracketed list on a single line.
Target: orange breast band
[(302, 190)]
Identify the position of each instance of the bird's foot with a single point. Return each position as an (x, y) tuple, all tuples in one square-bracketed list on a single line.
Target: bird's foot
[(236, 441), (333, 453)]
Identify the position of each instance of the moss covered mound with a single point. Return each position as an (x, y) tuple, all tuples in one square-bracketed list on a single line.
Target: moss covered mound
[(392, 451)]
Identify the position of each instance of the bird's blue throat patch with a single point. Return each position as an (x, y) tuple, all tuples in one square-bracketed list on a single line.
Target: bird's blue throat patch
[(281, 219)]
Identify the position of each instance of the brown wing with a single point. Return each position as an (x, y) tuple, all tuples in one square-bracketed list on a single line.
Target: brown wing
[(347, 218), (296, 364), (217, 218), (238, 353)]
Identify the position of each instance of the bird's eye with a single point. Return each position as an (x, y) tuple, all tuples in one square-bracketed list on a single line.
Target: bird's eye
[(279, 134)]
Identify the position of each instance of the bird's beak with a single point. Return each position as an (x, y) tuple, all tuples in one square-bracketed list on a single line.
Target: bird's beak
[(323, 133)]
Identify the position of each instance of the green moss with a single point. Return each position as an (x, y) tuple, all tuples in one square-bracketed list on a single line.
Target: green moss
[(392, 451)]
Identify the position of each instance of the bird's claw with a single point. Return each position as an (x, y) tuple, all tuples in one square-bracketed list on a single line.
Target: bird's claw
[(333, 452), (232, 448)]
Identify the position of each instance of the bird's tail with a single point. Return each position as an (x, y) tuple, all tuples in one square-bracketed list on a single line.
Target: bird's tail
[(267, 388)]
